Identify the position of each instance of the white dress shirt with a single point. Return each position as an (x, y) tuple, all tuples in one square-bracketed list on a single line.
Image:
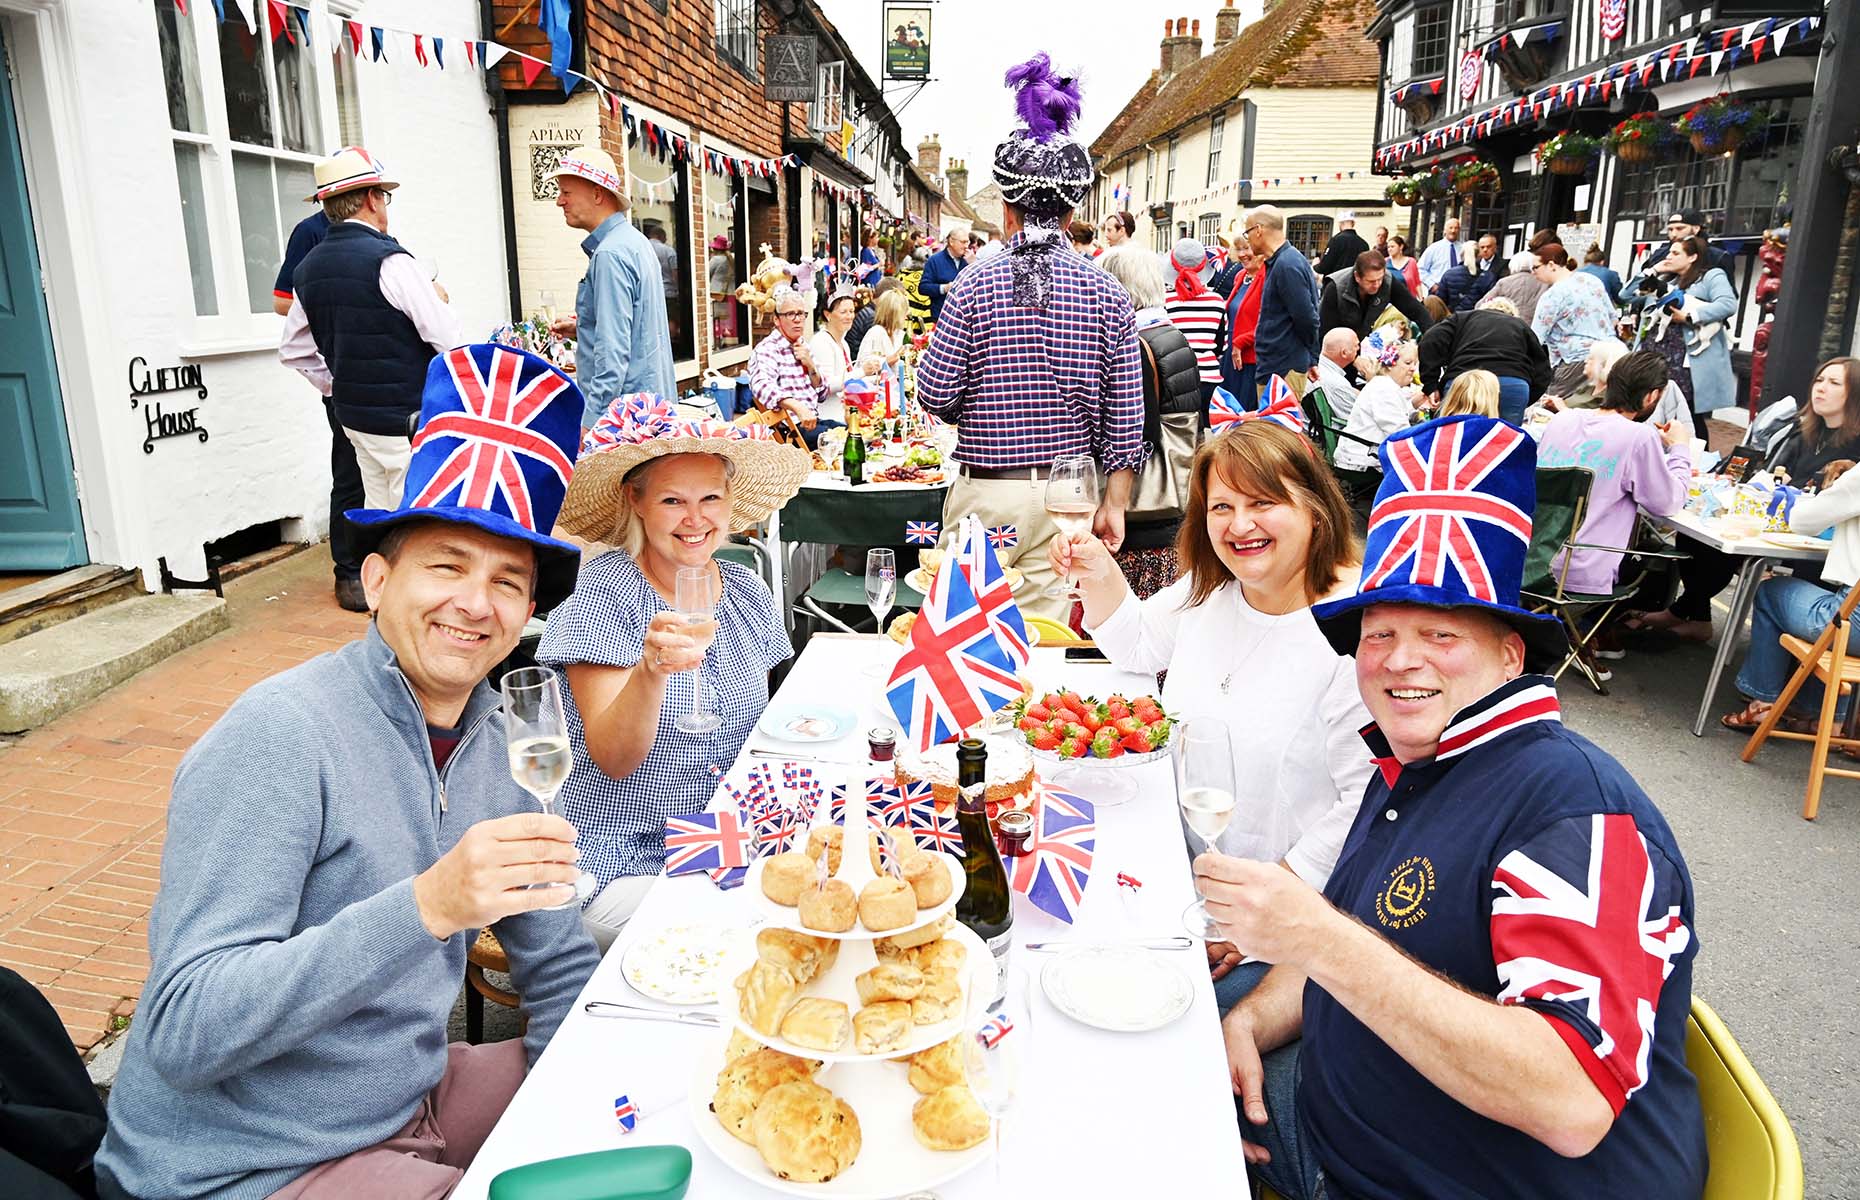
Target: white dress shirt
[(404, 286), (1337, 388)]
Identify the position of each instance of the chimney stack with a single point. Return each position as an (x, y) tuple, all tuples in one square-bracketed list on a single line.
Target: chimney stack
[(930, 155), (1187, 45), (1168, 48), (958, 180), (1226, 24)]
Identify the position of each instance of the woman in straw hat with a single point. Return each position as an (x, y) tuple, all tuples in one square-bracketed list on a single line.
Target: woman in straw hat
[(667, 492)]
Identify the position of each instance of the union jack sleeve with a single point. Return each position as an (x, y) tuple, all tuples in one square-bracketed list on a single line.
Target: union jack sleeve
[(1586, 925)]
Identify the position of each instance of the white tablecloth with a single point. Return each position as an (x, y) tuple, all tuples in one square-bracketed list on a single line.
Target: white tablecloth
[(1103, 1114)]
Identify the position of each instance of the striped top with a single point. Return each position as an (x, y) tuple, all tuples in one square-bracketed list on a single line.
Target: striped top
[(1199, 320)]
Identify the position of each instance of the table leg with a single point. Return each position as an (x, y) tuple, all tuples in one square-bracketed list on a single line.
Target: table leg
[(778, 572), (1742, 597)]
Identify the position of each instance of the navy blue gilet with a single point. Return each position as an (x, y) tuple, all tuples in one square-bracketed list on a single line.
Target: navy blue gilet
[(377, 358)]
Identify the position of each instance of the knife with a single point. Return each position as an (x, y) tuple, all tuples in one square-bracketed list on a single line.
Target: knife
[(813, 758), (690, 1016), (1168, 943)]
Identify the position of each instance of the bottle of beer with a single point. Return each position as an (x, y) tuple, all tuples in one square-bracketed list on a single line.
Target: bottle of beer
[(986, 904), (855, 450)]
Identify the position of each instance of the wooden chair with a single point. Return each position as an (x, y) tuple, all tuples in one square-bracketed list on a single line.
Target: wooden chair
[(1827, 661), (486, 954)]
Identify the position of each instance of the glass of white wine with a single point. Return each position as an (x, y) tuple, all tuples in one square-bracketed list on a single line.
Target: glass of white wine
[(547, 300), (694, 599), (1204, 787), (881, 593), (1072, 494), (536, 732)]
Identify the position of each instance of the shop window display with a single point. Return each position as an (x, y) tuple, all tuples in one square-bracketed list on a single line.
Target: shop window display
[(661, 210)]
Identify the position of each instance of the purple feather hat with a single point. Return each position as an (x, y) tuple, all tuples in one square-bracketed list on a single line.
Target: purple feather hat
[(1040, 168)]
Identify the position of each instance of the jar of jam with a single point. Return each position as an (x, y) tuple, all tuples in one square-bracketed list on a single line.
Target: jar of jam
[(1013, 829)]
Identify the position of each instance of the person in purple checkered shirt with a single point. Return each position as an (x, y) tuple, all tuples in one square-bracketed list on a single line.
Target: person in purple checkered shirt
[(1034, 355)]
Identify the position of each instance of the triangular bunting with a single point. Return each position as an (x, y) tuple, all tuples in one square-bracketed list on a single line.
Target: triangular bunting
[(490, 53), (439, 52), (1696, 64), (419, 49), (470, 59), (377, 38), (355, 38), (532, 67), (1717, 59)]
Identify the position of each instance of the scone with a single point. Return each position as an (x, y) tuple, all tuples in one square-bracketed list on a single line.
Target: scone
[(899, 945), (742, 1046), (816, 1023), (944, 954), (805, 1133), (938, 1067), (903, 848), (786, 876), (886, 903), (928, 876), (826, 839), (947, 1119), (940, 999), (768, 994), (880, 1027), (742, 1084), (798, 952), (832, 908), (889, 981)]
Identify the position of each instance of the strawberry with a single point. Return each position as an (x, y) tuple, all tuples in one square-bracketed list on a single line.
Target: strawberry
[(1079, 746), (1039, 712), (1117, 708), (1116, 749), (1138, 742), (1146, 710), (1077, 732), (1159, 732), (1127, 725), (1092, 721), (1057, 725), (1076, 703), (1102, 742), (1028, 724), (1043, 739), (1052, 702)]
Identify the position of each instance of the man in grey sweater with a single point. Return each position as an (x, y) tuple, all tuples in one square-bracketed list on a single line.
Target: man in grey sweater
[(334, 844)]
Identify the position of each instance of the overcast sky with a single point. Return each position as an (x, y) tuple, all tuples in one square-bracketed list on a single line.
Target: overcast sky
[(974, 42)]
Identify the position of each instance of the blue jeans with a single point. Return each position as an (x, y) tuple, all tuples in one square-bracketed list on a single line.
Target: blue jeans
[(1294, 1172), (1789, 605), (821, 425), (1233, 987), (1514, 396)]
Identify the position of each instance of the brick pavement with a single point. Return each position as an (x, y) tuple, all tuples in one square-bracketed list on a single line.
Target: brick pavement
[(83, 801)]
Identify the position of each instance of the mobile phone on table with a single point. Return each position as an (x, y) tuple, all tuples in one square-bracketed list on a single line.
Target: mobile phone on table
[(1085, 654)]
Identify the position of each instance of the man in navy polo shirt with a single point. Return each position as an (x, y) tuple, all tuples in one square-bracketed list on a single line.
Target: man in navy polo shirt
[(1492, 990)]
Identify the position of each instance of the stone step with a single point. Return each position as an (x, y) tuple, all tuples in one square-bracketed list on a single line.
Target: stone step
[(53, 671), (46, 602)]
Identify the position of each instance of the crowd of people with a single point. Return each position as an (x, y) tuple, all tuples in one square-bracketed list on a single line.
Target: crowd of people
[(1407, 1009)]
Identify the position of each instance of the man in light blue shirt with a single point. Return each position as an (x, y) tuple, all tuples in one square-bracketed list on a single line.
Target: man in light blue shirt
[(1439, 258), (623, 342)]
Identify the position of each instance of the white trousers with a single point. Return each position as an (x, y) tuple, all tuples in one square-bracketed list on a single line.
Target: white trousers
[(608, 912), (383, 459)]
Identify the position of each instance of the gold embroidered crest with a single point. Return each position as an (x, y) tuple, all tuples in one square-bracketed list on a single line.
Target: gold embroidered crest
[(1403, 902)]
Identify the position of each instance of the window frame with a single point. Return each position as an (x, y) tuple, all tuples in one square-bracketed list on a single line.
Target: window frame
[(1208, 227), (737, 22), (1175, 146), (1149, 174), (725, 356), (1217, 133), (1297, 223), (1417, 69), (681, 172)]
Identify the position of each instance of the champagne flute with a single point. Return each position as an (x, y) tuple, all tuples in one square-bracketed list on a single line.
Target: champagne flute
[(881, 593), (994, 1052), (1204, 787), (547, 299), (694, 599), (536, 735), (1071, 501)]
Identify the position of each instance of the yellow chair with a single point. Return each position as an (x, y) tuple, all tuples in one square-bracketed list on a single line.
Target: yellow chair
[(1051, 632), (1753, 1151)]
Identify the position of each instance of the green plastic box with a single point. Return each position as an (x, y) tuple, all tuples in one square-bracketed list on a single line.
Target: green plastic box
[(634, 1173)]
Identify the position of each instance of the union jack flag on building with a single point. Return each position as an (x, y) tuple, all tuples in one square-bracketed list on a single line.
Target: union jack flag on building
[(707, 841), (1437, 524), (990, 585), (500, 453), (954, 670), (922, 533), (1057, 863)]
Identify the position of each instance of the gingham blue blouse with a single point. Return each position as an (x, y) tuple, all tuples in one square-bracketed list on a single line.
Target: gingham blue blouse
[(621, 822)]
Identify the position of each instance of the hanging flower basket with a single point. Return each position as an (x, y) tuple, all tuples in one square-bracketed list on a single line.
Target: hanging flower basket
[(1475, 176), (1431, 184), (1401, 191), (1722, 124), (1569, 153), (1641, 138)]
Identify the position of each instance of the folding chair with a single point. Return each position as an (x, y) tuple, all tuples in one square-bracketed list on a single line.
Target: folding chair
[(1359, 487), (1562, 504), (1827, 661), (1752, 1151)]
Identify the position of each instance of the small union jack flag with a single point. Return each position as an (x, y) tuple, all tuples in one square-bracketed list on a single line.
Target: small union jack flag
[(996, 1028), (1002, 537), (1128, 881), (932, 830), (983, 570), (626, 1114), (1223, 409), (1056, 865), (954, 670), (922, 533), (706, 842)]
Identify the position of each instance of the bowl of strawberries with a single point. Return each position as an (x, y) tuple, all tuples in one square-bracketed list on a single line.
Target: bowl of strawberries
[(1065, 727)]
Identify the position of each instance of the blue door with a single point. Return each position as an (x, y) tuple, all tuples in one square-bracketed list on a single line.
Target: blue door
[(39, 526)]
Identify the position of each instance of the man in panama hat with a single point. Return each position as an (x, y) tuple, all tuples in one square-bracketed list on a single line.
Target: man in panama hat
[(366, 321), (337, 840), (1490, 995)]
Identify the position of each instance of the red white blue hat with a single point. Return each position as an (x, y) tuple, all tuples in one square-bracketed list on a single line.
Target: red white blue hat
[(594, 165), (346, 170), (1450, 528), (499, 430)]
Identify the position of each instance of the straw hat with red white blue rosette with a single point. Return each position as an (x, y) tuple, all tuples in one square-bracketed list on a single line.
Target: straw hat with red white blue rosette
[(1450, 529), (347, 170), (495, 450), (640, 427)]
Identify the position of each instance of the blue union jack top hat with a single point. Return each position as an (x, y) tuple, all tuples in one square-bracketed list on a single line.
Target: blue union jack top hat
[(1450, 528), (499, 429)]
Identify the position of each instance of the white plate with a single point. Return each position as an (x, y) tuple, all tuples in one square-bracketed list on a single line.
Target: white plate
[(1117, 988), (978, 971), (856, 870), (891, 1161), (1797, 541), (806, 724), (680, 965)]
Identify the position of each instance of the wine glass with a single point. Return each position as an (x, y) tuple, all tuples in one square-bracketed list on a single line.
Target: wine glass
[(1204, 787), (1072, 493), (881, 593), (995, 1050), (547, 300), (536, 735), (694, 599)]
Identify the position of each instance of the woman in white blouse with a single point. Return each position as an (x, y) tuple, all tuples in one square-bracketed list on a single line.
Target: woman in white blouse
[(883, 347), (1385, 405), (832, 357), (1266, 534)]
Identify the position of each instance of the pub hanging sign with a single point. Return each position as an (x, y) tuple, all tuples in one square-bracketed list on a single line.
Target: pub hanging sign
[(145, 380)]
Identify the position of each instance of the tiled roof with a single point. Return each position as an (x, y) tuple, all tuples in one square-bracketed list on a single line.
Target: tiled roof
[(1297, 44)]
